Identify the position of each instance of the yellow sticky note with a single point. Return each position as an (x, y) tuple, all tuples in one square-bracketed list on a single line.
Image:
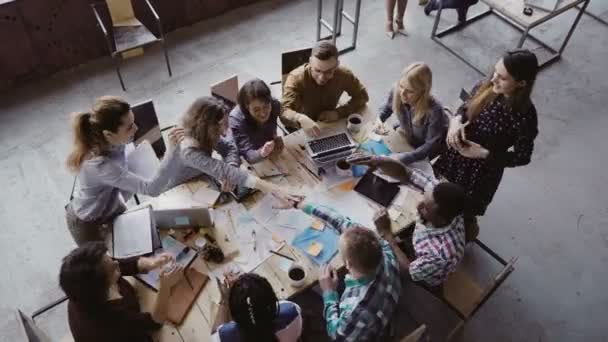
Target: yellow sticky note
[(314, 249), (318, 225)]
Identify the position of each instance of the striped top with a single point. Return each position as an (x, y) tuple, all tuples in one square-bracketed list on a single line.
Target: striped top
[(367, 304), (438, 250)]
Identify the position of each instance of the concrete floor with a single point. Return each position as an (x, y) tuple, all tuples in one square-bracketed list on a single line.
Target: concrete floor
[(552, 214)]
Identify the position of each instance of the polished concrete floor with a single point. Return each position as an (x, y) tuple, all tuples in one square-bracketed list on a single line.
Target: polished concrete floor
[(551, 214)]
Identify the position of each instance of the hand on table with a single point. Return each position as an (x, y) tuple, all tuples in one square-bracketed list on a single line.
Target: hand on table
[(279, 145), (329, 116), (230, 278), (267, 149), (309, 126), (146, 264), (383, 224), (226, 186), (380, 128), (328, 281), (170, 277)]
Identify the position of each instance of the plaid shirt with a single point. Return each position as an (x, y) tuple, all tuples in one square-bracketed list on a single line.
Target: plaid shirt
[(438, 250), (367, 304)]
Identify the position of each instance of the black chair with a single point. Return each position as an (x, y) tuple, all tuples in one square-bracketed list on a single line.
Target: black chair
[(125, 38), (148, 129)]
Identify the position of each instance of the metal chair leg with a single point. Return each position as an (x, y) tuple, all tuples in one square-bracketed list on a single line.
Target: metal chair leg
[(167, 58), (117, 66)]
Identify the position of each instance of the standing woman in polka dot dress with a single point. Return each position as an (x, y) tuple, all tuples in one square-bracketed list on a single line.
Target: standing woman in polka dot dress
[(493, 130)]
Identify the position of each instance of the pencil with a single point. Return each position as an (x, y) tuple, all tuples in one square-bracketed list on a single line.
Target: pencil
[(282, 255)]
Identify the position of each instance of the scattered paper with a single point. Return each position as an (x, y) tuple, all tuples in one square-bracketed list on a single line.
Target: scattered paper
[(206, 196)]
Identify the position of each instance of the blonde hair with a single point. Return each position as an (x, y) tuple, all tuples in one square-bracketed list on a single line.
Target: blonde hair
[(482, 97), (420, 78), (106, 115), (202, 121)]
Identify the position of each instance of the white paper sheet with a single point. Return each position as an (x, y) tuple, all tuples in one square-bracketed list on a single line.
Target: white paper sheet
[(133, 233), (206, 196)]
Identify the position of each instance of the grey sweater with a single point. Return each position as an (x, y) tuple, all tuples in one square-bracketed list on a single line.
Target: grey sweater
[(194, 162), (427, 137), (103, 179)]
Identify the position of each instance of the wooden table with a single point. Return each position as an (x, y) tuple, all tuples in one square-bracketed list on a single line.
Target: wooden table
[(511, 11), (198, 323)]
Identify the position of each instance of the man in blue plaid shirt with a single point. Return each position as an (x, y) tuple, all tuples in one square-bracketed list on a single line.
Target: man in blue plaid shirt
[(372, 286)]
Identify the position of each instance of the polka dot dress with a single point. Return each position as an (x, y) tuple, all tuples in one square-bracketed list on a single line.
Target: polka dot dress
[(508, 135)]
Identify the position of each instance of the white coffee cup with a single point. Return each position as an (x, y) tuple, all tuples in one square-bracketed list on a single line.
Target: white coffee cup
[(354, 123), (296, 274), (343, 169)]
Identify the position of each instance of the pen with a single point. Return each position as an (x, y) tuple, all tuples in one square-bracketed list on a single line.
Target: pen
[(254, 242), (282, 255)]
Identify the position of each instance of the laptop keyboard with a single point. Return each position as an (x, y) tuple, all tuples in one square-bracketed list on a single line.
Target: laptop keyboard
[(329, 143)]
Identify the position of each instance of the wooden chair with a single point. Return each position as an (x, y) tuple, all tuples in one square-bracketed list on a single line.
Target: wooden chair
[(124, 32), (415, 335), (227, 91), (465, 296), (291, 60)]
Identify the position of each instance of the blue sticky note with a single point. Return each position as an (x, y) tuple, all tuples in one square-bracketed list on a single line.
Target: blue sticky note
[(327, 237), (182, 221)]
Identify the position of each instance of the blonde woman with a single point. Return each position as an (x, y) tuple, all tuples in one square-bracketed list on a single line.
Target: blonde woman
[(420, 116)]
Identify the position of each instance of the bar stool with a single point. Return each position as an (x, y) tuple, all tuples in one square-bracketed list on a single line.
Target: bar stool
[(335, 28)]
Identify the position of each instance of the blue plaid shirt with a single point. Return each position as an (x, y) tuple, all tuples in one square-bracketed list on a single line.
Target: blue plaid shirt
[(367, 304)]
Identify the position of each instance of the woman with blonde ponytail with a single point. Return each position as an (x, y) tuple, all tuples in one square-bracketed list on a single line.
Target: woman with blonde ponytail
[(420, 116), (493, 130), (103, 179)]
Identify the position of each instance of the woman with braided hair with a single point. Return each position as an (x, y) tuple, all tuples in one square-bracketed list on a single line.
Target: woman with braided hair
[(258, 315)]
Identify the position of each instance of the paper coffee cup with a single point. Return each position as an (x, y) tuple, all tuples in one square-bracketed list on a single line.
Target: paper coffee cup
[(296, 274), (354, 123), (343, 168)]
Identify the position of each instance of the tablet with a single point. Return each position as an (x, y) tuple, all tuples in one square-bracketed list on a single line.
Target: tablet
[(377, 189)]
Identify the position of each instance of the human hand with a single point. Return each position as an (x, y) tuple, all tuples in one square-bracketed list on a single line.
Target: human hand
[(472, 150), (146, 264), (455, 132), (176, 135), (279, 145), (380, 128), (289, 204), (230, 278), (267, 148), (328, 281), (227, 186), (286, 197), (383, 224), (328, 116), (309, 126), (170, 277)]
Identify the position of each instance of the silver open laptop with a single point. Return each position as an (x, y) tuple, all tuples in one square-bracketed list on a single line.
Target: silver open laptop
[(182, 218), (331, 147)]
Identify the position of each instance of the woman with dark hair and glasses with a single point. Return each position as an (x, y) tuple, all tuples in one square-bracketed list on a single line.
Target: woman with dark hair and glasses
[(254, 122), (493, 130), (206, 130), (258, 315), (102, 305)]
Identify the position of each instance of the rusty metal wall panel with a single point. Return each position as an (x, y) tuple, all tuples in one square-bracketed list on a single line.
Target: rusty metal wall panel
[(17, 56), (59, 34)]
